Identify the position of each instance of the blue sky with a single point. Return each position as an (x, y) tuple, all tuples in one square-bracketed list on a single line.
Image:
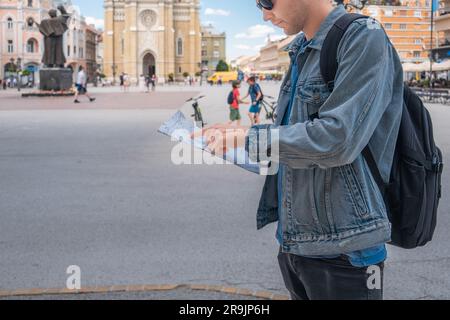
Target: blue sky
[(240, 19)]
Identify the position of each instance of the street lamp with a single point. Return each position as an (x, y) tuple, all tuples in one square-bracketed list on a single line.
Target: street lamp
[(19, 70), (114, 67)]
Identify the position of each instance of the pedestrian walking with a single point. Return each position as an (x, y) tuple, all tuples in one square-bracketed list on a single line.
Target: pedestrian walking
[(233, 102), (256, 95), (147, 82), (126, 82), (122, 81), (81, 85), (154, 80), (142, 85)]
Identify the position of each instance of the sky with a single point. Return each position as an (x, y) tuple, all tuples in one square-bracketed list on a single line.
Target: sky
[(240, 19)]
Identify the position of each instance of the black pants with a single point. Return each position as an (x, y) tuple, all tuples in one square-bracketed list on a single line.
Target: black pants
[(328, 279)]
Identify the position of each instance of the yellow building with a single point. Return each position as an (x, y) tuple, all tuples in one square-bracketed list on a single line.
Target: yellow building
[(159, 37), (443, 27), (407, 22)]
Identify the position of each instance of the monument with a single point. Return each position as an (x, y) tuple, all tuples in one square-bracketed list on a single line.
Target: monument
[(54, 76)]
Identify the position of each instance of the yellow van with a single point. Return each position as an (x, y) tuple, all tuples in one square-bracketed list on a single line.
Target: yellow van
[(226, 77)]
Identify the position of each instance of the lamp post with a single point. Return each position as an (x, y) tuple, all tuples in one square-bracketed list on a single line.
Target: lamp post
[(434, 7), (114, 67), (19, 71), (114, 42)]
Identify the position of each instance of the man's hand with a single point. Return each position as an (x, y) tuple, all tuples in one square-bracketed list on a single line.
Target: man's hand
[(222, 137)]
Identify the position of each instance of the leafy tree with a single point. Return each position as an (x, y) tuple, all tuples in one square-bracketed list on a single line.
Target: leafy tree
[(222, 66)]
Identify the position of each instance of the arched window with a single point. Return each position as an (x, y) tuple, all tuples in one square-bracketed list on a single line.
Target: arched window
[(30, 3), (10, 23), (32, 46), (179, 47), (10, 46)]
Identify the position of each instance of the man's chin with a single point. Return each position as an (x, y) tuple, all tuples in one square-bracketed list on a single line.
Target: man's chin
[(290, 31)]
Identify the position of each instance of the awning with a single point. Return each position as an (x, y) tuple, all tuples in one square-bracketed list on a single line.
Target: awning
[(425, 66)]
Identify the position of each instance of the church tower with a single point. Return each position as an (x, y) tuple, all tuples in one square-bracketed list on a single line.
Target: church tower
[(159, 37)]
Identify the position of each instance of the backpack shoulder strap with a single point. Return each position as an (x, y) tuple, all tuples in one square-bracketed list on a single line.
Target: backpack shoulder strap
[(328, 69), (328, 54)]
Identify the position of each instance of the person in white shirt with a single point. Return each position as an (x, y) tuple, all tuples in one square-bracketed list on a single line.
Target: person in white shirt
[(81, 85)]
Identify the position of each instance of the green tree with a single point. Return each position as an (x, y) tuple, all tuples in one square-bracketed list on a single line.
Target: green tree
[(222, 66)]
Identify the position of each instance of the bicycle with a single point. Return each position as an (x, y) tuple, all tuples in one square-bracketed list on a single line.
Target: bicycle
[(197, 111), (269, 107)]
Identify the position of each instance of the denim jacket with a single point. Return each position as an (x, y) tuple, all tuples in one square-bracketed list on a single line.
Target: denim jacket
[(331, 203)]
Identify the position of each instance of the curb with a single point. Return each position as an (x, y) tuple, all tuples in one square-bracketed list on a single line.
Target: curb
[(142, 288)]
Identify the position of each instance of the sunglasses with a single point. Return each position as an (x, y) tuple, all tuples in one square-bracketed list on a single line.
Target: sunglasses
[(264, 4)]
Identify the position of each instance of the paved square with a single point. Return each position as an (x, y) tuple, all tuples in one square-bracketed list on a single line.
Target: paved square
[(93, 185)]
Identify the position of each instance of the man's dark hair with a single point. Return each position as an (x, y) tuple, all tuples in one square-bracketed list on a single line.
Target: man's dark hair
[(235, 84), (251, 79), (80, 68)]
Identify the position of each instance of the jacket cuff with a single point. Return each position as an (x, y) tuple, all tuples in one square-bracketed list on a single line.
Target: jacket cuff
[(257, 142)]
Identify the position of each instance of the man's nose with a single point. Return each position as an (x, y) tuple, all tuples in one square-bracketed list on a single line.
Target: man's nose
[(267, 15)]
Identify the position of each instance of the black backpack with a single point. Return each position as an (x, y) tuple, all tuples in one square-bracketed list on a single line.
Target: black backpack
[(230, 98), (414, 189)]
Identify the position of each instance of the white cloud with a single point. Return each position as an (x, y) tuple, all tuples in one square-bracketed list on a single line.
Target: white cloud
[(243, 47), (217, 12), (246, 47), (99, 23), (257, 31)]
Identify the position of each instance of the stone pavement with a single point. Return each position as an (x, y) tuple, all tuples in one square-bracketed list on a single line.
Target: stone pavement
[(94, 186), (104, 101)]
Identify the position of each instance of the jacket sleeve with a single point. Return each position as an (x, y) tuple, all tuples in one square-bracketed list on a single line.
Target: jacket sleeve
[(365, 83)]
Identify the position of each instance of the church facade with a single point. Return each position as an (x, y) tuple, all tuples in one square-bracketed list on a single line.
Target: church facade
[(160, 37)]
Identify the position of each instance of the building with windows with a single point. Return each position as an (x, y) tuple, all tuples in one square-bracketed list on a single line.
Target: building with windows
[(91, 40), (442, 52), (159, 37), (22, 44), (213, 47), (81, 44), (408, 25), (274, 55)]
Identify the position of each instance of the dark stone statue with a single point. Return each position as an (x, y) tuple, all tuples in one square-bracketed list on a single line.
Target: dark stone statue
[(53, 30)]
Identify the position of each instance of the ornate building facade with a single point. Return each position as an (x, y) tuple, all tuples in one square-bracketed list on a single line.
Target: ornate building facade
[(160, 37), (21, 43)]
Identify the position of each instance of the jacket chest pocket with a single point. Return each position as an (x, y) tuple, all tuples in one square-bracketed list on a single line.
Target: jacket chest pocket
[(312, 95)]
